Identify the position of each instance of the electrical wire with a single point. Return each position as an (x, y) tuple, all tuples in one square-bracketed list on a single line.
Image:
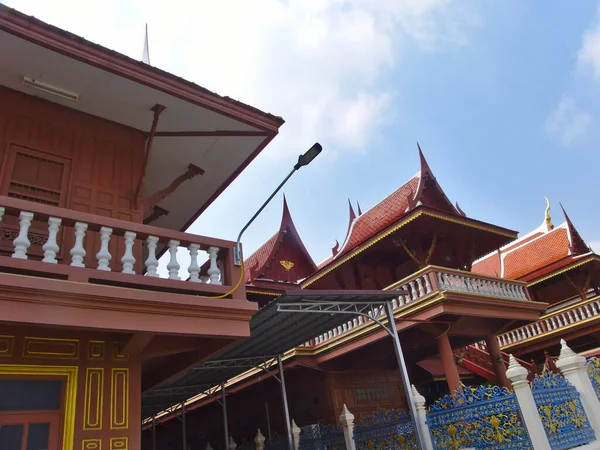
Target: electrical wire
[(235, 287)]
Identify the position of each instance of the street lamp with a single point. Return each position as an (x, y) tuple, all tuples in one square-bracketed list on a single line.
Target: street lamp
[(303, 160)]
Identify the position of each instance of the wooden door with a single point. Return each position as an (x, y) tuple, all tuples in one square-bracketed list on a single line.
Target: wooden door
[(36, 177), (31, 430)]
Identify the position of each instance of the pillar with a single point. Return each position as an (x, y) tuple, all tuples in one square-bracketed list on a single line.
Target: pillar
[(422, 419), (347, 422), (573, 368), (296, 435), (447, 357), (517, 374), (259, 440), (493, 349)]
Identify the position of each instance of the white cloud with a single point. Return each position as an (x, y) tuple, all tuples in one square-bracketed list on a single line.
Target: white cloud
[(589, 53), (567, 121), (317, 63)]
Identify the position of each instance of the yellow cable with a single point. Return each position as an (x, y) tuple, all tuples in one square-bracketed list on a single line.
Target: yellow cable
[(235, 287)]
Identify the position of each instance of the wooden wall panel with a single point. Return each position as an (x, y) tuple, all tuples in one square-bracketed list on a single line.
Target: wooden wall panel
[(106, 159)]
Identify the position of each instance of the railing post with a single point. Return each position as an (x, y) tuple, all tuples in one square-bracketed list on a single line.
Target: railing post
[(259, 440), (517, 374), (296, 435), (572, 366), (421, 419), (347, 421)]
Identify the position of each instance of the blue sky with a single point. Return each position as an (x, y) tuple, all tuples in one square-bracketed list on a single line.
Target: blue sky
[(503, 97)]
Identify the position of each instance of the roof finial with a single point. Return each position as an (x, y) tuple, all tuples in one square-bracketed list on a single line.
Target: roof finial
[(547, 218), (146, 54)]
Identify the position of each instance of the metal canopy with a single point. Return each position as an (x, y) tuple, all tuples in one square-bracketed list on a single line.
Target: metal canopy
[(271, 333)]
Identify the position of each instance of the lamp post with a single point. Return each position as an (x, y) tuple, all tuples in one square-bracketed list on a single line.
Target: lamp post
[(303, 160)]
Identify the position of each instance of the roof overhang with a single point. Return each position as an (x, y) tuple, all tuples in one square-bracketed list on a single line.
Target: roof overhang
[(272, 332), (217, 134)]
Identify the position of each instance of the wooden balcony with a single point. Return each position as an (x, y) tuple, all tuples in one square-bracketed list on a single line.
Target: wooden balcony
[(45, 241), (432, 282), (556, 324)]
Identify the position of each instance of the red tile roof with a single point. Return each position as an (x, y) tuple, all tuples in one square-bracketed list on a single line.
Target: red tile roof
[(537, 253), (381, 215), (259, 257), (490, 265)]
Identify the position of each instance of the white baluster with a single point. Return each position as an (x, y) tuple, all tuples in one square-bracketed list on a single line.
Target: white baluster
[(420, 287), (103, 256), (213, 271), (194, 268), (595, 308), (128, 260), (588, 310), (51, 246), (1, 213), (413, 291), (151, 262), (204, 278), (173, 266), (428, 288), (539, 328), (78, 252), (21, 242)]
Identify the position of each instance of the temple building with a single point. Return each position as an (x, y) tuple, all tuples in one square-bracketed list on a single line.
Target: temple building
[(100, 155), (414, 241)]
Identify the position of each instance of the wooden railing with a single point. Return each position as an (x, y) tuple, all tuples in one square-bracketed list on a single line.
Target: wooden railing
[(432, 280), (85, 247), (550, 322)]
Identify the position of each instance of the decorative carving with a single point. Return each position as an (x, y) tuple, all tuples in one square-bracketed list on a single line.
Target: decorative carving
[(119, 443), (118, 354), (157, 213), (190, 173), (96, 350), (547, 218), (34, 347), (91, 444), (119, 399), (93, 400), (7, 345), (287, 265)]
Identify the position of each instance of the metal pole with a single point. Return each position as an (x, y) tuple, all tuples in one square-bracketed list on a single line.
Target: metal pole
[(154, 433), (225, 424), (286, 412), (237, 251), (404, 372), (183, 427)]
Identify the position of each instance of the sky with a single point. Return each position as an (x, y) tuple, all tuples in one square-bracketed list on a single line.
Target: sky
[(502, 95)]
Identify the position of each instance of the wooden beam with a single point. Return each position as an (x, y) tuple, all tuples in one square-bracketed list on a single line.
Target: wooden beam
[(190, 173), (138, 342), (216, 133), (138, 192)]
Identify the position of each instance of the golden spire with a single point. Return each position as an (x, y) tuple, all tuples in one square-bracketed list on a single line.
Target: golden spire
[(547, 217)]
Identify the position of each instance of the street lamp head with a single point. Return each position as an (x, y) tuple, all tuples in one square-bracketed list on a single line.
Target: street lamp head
[(306, 159)]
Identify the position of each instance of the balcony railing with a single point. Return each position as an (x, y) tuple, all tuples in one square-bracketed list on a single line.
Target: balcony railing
[(550, 322), (433, 280), (39, 252)]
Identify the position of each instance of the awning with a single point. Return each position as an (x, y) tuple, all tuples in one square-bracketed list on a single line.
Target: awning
[(272, 332)]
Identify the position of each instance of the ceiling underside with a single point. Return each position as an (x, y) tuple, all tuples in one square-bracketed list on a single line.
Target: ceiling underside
[(118, 99)]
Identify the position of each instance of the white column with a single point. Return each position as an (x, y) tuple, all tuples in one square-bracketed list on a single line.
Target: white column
[(103, 256), (128, 260), (421, 419), (151, 262), (173, 266), (259, 440), (21, 242), (51, 247), (213, 271), (232, 444), (194, 268), (78, 252), (517, 374), (296, 435), (347, 422), (574, 370)]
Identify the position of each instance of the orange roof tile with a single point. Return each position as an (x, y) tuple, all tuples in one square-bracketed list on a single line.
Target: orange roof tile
[(537, 253), (490, 265), (381, 215)]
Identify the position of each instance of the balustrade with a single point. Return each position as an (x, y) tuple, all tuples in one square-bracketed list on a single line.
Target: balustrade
[(434, 280), (550, 322), (81, 231)]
